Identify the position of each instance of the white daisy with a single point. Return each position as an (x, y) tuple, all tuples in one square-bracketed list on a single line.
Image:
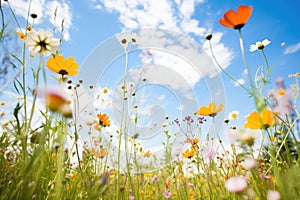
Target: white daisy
[(41, 42), (259, 45), (233, 115)]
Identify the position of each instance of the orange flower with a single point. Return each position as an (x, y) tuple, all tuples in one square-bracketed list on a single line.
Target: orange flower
[(211, 110), (63, 66), (103, 120), (237, 19), (21, 35), (99, 154), (188, 153), (58, 103), (260, 121)]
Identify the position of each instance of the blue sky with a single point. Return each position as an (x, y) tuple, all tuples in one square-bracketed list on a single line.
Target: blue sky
[(88, 23)]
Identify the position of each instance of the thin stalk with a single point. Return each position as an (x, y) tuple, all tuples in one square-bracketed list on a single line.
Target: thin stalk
[(244, 59), (227, 73)]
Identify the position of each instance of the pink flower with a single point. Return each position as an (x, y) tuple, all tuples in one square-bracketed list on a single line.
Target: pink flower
[(167, 194), (155, 178), (273, 195), (250, 163), (264, 176), (236, 184), (131, 197)]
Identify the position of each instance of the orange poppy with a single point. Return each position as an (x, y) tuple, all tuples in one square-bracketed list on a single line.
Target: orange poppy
[(237, 19), (260, 121), (211, 110)]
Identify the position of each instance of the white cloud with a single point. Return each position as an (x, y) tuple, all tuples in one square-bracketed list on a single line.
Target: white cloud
[(292, 48), (168, 15), (241, 81), (45, 11)]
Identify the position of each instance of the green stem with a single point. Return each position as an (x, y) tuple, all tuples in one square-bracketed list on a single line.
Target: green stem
[(227, 73), (245, 60)]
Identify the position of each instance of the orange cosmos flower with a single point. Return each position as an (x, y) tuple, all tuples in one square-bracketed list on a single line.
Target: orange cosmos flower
[(99, 154), (103, 120), (188, 153), (260, 121), (237, 19), (63, 66), (211, 110)]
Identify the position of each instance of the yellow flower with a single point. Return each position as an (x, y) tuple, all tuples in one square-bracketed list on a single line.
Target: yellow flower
[(103, 120), (99, 154), (147, 153), (21, 35), (188, 153), (281, 92), (211, 110), (260, 121), (63, 66), (105, 90)]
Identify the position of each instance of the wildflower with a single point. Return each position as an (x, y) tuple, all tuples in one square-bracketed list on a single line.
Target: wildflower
[(56, 102), (211, 110), (99, 154), (281, 91), (29, 28), (2, 103), (259, 45), (247, 138), (33, 15), (41, 42), (21, 35), (273, 195), (104, 90), (167, 194), (147, 153), (238, 19), (155, 178), (63, 66), (208, 36), (236, 184), (103, 120), (233, 115), (127, 39), (250, 163), (188, 153), (260, 121)]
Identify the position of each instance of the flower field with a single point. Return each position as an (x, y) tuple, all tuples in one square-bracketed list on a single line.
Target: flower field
[(48, 152)]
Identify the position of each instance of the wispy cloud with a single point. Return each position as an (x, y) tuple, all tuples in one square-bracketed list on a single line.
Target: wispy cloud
[(240, 81), (168, 15), (54, 12), (292, 48)]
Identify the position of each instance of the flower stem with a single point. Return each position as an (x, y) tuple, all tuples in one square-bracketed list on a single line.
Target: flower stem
[(227, 73), (245, 60)]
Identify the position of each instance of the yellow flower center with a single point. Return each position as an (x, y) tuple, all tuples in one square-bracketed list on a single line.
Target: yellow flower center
[(260, 46)]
